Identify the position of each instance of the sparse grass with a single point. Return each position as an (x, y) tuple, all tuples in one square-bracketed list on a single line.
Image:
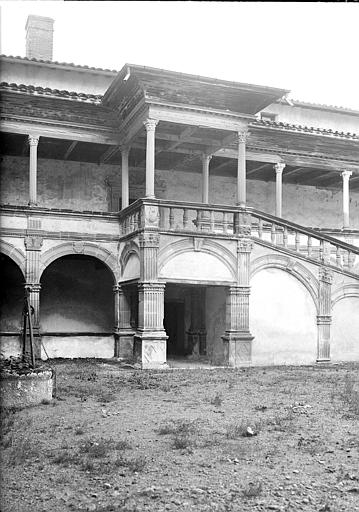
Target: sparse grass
[(96, 449), (182, 441), (134, 464), (217, 400), (350, 394), (253, 490), (179, 427), (236, 430)]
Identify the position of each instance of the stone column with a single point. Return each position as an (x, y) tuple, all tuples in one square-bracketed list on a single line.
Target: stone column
[(33, 143), (33, 245), (324, 318), (150, 339), (205, 178), (124, 333), (197, 332), (278, 188), (150, 125), (125, 193), (237, 337), (241, 169), (346, 176)]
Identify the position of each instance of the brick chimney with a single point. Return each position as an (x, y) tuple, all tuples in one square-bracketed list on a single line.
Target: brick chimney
[(39, 37)]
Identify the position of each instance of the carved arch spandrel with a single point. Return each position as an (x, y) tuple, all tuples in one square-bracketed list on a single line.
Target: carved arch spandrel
[(195, 244), (345, 291), (15, 254), (130, 249), (293, 268), (84, 248)]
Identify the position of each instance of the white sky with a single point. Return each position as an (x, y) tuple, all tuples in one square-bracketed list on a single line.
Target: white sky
[(310, 48)]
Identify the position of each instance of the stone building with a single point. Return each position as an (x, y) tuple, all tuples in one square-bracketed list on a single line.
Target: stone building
[(155, 214)]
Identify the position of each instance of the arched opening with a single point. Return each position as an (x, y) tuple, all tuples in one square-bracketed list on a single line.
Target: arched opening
[(11, 306), (282, 319), (344, 344), (77, 308)]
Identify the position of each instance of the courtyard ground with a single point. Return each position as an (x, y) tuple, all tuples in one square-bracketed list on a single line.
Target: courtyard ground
[(119, 439)]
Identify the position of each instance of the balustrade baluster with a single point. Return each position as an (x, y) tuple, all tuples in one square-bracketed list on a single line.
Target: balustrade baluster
[(347, 259), (273, 234), (260, 228), (297, 241), (211, 216), (310, 246), (225, 222), (338, 257), (132, 223), (285, 236), (185, 218), (198, 220), (171, 218)]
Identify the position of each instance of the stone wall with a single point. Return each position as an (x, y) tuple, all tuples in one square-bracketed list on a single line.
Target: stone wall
[(85, 186)]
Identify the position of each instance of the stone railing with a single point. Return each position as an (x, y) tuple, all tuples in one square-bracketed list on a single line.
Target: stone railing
[(185, 218)]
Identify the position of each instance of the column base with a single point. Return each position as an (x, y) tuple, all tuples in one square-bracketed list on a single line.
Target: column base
[(150, 349), (124, 344), (237, 348), (323, 361)]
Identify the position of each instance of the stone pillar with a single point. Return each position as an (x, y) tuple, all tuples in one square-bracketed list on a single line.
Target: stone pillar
[(205, 178), (241, 169), (324, 318), (278, 188), (150, 339), (33, 143), (33, 245), (125, 192), (124, 333), (197, 332), (237, 337), (150, 125), (346, 176)]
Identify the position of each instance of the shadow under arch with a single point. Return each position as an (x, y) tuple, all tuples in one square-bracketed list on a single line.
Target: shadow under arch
[(15, 255), (293, 268), (84, 249)]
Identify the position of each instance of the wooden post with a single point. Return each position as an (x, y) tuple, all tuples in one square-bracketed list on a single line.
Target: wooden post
[(150, 125), (241, 169), (278, 188), (346, 220), (33, 142), (205, 178), (125, 195)]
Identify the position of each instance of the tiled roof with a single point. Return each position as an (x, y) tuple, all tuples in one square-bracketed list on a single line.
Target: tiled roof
[(67, 64), (319, 106), (305, 129), (46, 91)]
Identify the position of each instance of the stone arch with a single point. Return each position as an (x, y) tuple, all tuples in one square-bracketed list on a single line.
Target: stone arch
[(347, 290), (198, 245), (129, 251), (80, 248), (291, 266), (17, 256)]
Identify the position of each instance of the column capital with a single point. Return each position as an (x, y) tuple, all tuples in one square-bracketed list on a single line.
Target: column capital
[(150, 124), (33, 243), (279, 167), (149, 239), (346, 175), (125, 149), (325, 275), (32, 287), (206, 158), (33, 140), (116, 288), (244, 245), (242, 135)]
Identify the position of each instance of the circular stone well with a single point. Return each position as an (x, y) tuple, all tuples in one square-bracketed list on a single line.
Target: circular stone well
[(27, 389)]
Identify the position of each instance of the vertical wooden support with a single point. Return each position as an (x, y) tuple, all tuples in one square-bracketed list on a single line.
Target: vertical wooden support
[(324, 318), (346, 219), (33, 245), (205, 178), (33, 143), (237, 338), (150, 125), (125, 193), (241, 169), (279, 167)]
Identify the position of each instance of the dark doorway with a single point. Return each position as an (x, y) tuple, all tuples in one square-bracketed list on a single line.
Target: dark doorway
[(174, 326)]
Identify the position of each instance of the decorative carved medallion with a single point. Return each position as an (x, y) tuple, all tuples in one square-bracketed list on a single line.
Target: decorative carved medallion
[(78, 247), (198, 244)]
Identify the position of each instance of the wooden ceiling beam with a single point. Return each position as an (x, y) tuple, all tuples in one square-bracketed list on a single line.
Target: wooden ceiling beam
[(105, 157), (70, 149), (253, 171), (329, 175), (184, 136)]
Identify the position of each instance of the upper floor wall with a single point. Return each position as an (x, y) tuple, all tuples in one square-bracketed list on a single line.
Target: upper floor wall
[(91, 187)]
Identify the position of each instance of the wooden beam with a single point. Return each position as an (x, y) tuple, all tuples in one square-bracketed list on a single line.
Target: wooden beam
[(292, 171), (329, 175), (253, 171), (184, 136), (224, 164), (105, 157), (70, 149), (229, 139)]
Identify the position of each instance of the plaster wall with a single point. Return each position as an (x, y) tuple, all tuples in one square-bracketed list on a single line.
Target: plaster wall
[(82, 186), (282, 320), (78, 346), (345, 330)]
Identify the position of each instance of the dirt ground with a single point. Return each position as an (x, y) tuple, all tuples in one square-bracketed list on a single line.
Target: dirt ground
[(117, 439)]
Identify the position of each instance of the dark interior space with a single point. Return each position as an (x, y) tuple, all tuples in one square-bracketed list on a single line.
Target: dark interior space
[(11, 295)]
